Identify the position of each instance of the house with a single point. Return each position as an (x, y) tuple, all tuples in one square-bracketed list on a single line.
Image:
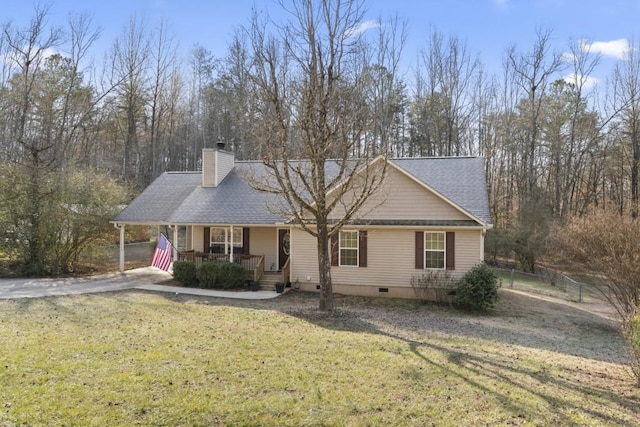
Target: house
[(430, 214)]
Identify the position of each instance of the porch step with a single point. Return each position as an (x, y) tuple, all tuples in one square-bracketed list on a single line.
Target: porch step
[(268, 281)]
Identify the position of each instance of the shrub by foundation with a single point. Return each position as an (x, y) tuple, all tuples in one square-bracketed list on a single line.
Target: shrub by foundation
[(230, 276), (478, 289), (433, 286), (208, 273), (185, 272)]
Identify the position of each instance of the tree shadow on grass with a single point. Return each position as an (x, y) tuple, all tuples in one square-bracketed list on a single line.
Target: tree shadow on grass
[(432, 334), (483, 370), (518, 319)]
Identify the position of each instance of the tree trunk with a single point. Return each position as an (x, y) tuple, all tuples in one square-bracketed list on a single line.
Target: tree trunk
[(324, 267), (35, 256), (635, 145)]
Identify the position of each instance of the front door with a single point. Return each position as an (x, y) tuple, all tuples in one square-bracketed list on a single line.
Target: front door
[(284, 247)]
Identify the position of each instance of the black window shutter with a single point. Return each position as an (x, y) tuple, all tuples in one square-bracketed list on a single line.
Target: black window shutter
[(451, 251), (362, 237), (420, 250), (207, 240), (245, 241), (334, 249)]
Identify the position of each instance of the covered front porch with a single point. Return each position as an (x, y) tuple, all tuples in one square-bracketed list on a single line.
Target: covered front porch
[(262, 251)]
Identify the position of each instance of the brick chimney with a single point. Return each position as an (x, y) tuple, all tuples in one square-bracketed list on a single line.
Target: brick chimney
[(216, 164)]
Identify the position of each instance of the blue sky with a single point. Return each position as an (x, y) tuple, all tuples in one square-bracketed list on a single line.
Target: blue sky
[(487, 26)]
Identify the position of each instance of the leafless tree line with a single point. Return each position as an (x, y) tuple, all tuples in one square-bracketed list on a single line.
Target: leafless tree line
[(554, 146)]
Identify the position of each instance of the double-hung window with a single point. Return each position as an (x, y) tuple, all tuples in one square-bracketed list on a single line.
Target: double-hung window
[(221, 240), (434, 250), (349, 248), (236, 243), (218, 240)]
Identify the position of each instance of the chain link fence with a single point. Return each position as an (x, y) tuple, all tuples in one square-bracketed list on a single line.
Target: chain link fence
[(573, 290)]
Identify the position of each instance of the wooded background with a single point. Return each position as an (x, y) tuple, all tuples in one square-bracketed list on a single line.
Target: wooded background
[(92, 134)]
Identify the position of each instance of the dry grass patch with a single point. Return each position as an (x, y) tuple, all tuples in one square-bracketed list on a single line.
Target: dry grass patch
[(134, 358)]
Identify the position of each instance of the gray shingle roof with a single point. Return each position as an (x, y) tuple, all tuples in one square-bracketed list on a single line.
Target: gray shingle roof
[(161, 198), (232, 202), (179, 198)]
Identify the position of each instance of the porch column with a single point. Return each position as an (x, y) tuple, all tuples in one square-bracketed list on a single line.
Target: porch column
[(121, 227), (175, 242), (231, 248)]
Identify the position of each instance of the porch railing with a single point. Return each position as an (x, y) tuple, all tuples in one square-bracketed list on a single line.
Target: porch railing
[(258, 271), (286, 271), (253, 264)]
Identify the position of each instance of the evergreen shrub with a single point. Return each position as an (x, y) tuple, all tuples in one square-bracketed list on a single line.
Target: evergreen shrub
[(185, 272), (208, 274), (478, 289)]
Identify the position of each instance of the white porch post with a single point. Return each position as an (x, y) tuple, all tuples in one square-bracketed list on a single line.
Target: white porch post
[(175, 242), (483, 234), (121, 227), (231, 248)]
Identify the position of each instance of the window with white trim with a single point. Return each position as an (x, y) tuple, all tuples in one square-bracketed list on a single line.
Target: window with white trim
[(221, 242), (237, 240), (348, 248), (218, 240), (434, 250)]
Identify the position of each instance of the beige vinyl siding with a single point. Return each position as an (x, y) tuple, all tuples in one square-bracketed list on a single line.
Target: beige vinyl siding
[(189, 244), (391, 261), (225, 162), (216, 165), (208, 167), (198, 238), (468, 249), (402, 198), (304, 257), (264, 241)]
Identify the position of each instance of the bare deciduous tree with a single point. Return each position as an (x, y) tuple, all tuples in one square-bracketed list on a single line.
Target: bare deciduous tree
[(27, 54), (533, 70), (51, 105), (627, 99), (312, 79), (443, 109), (129, 60), (604, 245), (164, 58)]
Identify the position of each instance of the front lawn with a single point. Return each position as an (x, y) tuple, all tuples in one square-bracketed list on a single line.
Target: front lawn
[(135, 358)]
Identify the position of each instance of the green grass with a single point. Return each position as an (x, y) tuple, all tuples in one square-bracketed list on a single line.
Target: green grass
[(529, 283), (144, 359)]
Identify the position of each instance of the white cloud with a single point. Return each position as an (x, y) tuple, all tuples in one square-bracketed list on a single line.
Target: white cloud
[(364, 26), (614, 48), (568, 57), (588, 82), (11, 58), (501, 3), (47, 52)]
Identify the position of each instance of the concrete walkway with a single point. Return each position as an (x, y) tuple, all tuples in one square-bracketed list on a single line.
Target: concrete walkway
[(146, 278)]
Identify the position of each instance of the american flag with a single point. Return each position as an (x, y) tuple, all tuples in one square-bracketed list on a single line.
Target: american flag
[(162, 254)]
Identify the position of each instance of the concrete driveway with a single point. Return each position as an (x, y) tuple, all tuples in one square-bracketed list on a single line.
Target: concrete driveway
[(146, 278)]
